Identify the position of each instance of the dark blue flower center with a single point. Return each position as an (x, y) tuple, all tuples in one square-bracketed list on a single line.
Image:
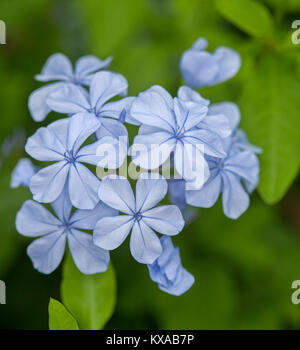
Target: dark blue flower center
[(138, 216), (69, 157)]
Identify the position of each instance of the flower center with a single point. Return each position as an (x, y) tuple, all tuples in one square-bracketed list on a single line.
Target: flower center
[(138, 216), (69, 157)]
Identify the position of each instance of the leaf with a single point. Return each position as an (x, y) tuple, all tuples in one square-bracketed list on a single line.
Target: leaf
[(248, 15), (90, 298), (271, 107), (60, 318)]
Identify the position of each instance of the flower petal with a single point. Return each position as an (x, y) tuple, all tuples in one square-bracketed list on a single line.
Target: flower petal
[(62, 206), (88, 64), (149, 151), (83, 187), (47, 184), (151, 108), (46, 253), (145, 246), (44, 145), (149, 192), (114, 109), (69, 98), (183, 284), (22, 173), (185, 93), (235, 198), (207, 196), (165, 219), (106, 85), (116, 192), (111, 232), (87, 219), (88, 258), (230, 110), (229, 64), (37, 104), (57, 67), (217, 124), (34, 220)]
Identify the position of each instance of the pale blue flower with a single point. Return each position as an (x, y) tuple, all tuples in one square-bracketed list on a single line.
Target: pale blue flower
[(142, 216), (61, 142), (201, 68), (178, 126), (168, 272), (59, 68), (235, 176), (104, 86), (46, 252), (22, 173)]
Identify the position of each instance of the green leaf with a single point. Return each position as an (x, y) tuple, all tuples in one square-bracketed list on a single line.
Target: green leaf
[(60, 318), (248, 15), (90, 298), (271, 106)]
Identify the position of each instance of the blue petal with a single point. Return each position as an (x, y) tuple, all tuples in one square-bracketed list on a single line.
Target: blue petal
[(229, 64), (165, 219), (57, 67), (46, 253), (209, 193), (183, 284), (88, 258), (116, 192), (235, 198), (149, 192), (149, 151), (69, 99), (62, 206), (176, 192), (22, 173), (151, 108), (230, 110), (114, 109), (106, 85), (47, 184), (89, 64), (34, 220), (145, 246), (187, 94), (240, 142), (111, 232), (87, 219), (83, 187), (37, 104), (44, 145)]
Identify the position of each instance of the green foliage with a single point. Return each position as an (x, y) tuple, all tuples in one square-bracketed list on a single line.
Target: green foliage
[(59, 318), (271, 105), (250, 16), (90, 298)]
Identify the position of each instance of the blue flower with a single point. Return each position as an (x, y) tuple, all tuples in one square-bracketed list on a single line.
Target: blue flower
[(59, 68), (168, 272), (201, 68), (60, 142), (141, 217), (22, 173), (104, 86), (178, 126), (46, 252), (235, 176)]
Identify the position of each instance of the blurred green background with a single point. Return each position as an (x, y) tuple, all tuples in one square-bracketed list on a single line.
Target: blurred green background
[(243, 268)]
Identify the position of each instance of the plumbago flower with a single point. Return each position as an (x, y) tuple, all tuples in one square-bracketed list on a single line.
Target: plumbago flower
[(201, 68), (22, 173), (46, 252), (235, 176), (104, 86), (141, 216), (178, 126), (60, 143), (59, 68), (168, 272)]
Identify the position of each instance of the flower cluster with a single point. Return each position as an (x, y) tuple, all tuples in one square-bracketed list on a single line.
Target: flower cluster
[(200, 142)]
